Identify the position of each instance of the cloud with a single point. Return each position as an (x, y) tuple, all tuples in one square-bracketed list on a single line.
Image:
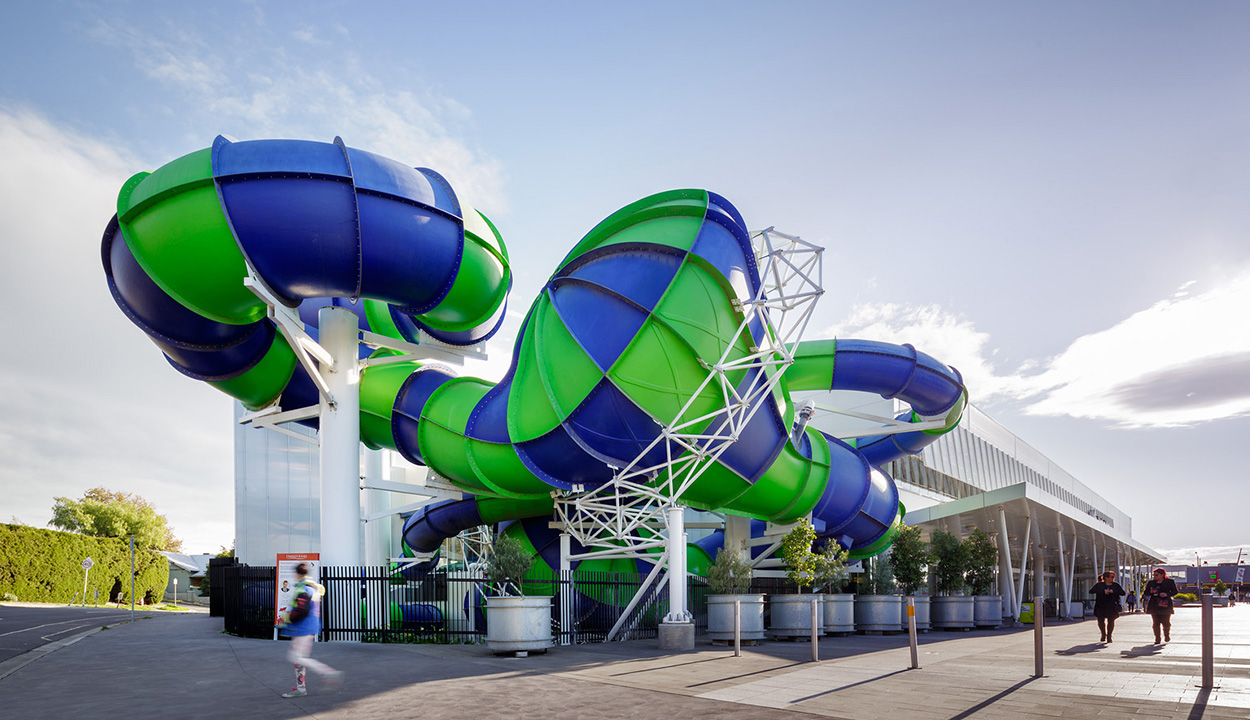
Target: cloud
[(85, 398), (1182, 362), (251, 87), (950, 338)]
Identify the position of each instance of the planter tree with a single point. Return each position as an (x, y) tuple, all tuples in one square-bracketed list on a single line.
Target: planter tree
[(729, 579), (516, 624), (951, 558), (791, 614), (910, 558), (982, 557)]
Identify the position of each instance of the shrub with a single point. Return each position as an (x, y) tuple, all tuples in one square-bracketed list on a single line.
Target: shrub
[(1187, 597), (40, 565)]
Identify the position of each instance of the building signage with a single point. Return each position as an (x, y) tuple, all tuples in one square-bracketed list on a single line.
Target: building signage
[(284, 586)]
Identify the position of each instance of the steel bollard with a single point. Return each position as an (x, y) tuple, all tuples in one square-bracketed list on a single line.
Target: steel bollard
[(911, 632), (737, 628), (1208, 641), (1037, 635), (815, 641)]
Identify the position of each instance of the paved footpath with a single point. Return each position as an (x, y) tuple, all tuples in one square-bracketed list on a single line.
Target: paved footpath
[(184, 666)]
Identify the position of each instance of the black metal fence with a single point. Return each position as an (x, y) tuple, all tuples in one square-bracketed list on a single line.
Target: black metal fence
[(248, 595), (380, 604)]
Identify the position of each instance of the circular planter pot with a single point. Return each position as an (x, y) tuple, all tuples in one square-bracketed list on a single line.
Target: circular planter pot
[(840, 613), (922, 613), (792, 615), (518, 624), (987, 611), (720, 617), (877, 613), (952, 612)]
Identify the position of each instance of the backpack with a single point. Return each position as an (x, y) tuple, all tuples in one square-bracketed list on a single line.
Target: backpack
[(302, 605)]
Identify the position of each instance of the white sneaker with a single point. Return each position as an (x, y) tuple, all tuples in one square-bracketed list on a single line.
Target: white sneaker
[(295, 692)]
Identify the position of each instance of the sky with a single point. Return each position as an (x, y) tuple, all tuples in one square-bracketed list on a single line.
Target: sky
[(1050, 197)]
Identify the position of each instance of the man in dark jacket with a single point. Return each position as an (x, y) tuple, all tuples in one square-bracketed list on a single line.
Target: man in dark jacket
[(1161, 591)]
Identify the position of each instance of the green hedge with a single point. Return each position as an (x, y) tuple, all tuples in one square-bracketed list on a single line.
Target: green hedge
[(39, 565)]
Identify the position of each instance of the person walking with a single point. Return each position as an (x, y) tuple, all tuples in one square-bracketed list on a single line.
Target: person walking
[(1160, 591), (1107, 593), (301, 621), (1130, 601)]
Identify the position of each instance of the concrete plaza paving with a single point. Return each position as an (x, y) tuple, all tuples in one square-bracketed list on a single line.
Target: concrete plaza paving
[(185, 667)]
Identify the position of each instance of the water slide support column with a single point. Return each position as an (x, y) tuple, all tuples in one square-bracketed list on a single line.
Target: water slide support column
[(340, 439), (566, 588), (677, 630)]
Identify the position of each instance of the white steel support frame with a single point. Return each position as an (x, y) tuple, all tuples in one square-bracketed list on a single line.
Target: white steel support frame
[(1006, 576), (334, 366), (1065, 580), (639, 510), (1076, 541), (1024, 563)]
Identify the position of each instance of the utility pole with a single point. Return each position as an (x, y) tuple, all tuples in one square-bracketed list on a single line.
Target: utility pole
[(132, 577)]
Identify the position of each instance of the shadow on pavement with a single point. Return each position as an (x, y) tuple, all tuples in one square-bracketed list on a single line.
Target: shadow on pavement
[(1080, 649), (1141, 651)]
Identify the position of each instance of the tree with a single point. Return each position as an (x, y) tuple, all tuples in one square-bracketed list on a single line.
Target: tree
[(951, 557), (982, 559), (909, 556), (730, 573), (831, 566), (797, 555), (106, 513)]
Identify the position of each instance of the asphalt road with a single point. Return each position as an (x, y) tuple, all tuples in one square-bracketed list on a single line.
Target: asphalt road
[(23, 629)]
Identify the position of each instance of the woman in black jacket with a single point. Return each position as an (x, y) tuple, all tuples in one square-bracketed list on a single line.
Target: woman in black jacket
[(1160, 590), (1107, 594)]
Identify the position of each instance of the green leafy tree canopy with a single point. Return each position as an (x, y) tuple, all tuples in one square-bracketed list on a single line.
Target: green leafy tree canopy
[(831, 566), (730, 573), (982, 559), (910, 558), (508, 563), (797, 555), (106, 513), (951, 557)]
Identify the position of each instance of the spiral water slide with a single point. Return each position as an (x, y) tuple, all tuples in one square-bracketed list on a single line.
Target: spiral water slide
[(615, 347)]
